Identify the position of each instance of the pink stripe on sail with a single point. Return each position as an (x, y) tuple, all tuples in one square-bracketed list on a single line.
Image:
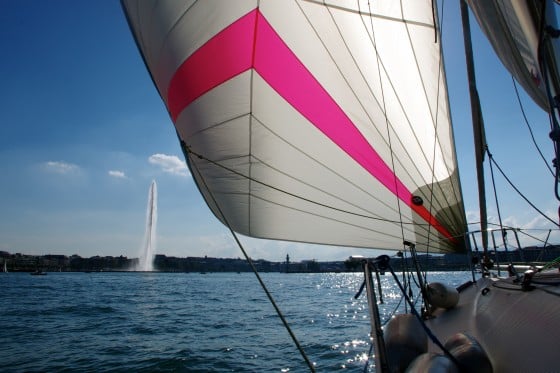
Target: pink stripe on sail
[(226, 55), (232, 51)]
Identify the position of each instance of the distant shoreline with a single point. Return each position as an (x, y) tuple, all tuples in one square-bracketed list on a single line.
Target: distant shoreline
[(170, 264), (163, 263)]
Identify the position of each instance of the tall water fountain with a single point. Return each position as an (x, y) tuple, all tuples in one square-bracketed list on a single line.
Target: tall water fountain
[(146, 258)]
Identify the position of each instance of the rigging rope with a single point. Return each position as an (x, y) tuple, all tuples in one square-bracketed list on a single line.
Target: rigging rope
[(496, 197), (440, 70), (388, 317), (544, 35), (492, 160), (551, 264), (379, 76), (529, 126), (253, 268), (433, 338), (187, 150), (535, 238)]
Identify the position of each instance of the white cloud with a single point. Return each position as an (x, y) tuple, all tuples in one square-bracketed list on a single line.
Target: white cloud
[(61, 167), (170, 164), (530, 228), (117, 174)]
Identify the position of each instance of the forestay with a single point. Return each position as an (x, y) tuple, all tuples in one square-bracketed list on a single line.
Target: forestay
[(322, 122)]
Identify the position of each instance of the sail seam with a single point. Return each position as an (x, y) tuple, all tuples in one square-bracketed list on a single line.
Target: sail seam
[(163, 46), (202, 71), (219, 162), (369, 14), (275, 56), (379, 63), (233, 171), (250, 129)]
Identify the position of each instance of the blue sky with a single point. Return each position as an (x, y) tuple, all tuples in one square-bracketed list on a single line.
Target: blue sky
[(83, 133)]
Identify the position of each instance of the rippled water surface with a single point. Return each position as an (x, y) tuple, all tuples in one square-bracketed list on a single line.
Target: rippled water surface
[(180, 322)]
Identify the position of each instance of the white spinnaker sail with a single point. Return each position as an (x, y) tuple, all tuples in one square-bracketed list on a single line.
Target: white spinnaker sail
[(322, 122)]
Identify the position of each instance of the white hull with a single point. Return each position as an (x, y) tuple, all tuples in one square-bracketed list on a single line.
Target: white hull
[(517, 329)]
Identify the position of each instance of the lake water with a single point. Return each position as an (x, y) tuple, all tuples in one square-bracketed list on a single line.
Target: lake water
[(181, 322)]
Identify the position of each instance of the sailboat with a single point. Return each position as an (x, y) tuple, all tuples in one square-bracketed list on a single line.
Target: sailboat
[(328, 122)]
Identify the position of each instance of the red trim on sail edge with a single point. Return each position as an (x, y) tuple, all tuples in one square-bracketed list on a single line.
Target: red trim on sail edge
[(252, 42)]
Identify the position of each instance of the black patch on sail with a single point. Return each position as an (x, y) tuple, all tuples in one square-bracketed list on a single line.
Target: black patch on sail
[(417, 200), (450, 214)]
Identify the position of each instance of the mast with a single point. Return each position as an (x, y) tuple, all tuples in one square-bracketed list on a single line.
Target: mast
[(478, 125)]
